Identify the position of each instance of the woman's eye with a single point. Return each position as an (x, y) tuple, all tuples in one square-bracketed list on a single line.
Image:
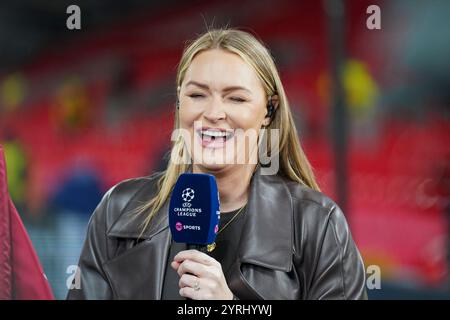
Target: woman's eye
[(196, 95), (237, 99)]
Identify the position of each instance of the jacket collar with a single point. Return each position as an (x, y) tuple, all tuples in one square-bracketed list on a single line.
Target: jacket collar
[(130, 222), (267, 236)]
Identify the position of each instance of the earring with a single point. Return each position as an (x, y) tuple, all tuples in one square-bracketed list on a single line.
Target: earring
[(177, 104)]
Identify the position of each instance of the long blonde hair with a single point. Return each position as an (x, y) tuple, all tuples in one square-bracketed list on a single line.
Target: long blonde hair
[(293, 163)]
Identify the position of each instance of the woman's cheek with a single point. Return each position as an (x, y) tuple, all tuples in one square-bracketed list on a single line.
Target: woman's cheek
[(187, 117), (246, 120)]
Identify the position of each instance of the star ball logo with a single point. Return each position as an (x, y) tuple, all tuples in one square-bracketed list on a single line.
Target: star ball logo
[(188, 194)]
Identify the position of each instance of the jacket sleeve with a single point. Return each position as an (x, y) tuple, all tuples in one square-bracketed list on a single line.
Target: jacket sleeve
[(90, 281), (339, 271)]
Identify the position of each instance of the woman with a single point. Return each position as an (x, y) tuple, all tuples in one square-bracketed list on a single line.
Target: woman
[(279, 237)]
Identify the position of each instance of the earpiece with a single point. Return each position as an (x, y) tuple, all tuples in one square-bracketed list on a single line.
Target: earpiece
[(270, 108), (177, 103)]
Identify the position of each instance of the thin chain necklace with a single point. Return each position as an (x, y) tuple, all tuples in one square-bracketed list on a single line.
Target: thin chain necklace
[(212, 246)]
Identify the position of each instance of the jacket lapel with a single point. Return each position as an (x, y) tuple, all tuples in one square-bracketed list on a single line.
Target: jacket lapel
[(138, 273), (266, 246), (268, 232)]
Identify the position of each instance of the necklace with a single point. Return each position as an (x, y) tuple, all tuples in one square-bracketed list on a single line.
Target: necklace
[(212, 246)]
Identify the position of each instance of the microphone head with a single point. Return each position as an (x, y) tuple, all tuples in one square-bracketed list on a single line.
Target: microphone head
[(194, 210)]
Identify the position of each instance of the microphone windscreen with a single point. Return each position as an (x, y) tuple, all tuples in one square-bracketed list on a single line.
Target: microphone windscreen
[(194, 210)]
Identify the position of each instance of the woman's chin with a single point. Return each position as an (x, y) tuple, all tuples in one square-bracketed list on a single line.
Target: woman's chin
[(214, 168), (212, 164)]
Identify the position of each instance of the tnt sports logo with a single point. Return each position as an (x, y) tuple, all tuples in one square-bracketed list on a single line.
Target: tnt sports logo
[(179, 226), (187, 194)]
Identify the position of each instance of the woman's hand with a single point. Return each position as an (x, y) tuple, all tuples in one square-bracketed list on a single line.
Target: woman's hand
[(201, 277)]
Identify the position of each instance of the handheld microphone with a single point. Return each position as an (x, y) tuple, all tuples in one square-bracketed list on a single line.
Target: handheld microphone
[(194, 210)]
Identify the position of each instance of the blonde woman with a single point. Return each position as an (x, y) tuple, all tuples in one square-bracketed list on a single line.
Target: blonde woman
[(278, 238)]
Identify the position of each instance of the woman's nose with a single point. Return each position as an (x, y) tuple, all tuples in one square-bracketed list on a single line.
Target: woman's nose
[(214, 111)]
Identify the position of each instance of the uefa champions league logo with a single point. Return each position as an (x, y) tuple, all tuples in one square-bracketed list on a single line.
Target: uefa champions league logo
[(188, 194)]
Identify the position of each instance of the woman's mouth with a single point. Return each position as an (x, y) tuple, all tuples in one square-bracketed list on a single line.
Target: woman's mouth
[(214, 138)]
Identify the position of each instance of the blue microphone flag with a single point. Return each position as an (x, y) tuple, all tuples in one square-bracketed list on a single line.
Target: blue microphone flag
[(194, 210)]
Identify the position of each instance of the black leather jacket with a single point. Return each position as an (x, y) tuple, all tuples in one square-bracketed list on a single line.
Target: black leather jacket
[(296, 244)]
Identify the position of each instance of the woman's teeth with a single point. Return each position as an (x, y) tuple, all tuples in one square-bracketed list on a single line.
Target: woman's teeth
[(212, 135)]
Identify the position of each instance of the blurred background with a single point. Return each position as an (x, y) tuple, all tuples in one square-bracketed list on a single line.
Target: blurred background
[(81, 110)]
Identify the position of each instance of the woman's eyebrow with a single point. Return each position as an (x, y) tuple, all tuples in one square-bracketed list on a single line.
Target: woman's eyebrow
[(198, 84), (227, 89), (232, 88)]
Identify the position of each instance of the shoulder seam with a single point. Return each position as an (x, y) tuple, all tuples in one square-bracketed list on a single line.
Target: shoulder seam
[(322, 240), (341, 256)]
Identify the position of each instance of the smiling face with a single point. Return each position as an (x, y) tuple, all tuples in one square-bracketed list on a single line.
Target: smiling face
[(222, 107)]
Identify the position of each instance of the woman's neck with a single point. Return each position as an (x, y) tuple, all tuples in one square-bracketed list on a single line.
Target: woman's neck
[(233, 183)]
